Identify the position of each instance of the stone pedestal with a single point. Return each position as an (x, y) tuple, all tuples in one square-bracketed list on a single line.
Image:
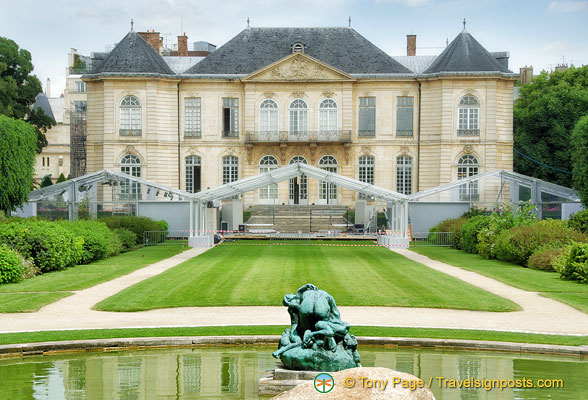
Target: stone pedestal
[(280, 379)]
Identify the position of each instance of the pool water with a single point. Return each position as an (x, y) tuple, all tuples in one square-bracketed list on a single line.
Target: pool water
[(233, 372)]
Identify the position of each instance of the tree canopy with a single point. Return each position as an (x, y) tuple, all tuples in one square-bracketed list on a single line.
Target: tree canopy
[(544, 116), (19, 88), (17, 160), (580, 158)]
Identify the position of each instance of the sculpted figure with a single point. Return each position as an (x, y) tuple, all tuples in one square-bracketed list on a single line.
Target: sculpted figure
[(316, 329)]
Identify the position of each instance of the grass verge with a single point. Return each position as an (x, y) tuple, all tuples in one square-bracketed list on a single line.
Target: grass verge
[(548, 284), (236, 275), (375, 331), (32, 294)]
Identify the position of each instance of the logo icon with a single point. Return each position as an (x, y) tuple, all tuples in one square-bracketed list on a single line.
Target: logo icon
[(324, 383)]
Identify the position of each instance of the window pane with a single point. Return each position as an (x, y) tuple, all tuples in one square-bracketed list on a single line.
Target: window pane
[(367, 116)]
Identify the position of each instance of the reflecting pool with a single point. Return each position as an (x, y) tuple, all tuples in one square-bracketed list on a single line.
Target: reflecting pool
[(233, 372)]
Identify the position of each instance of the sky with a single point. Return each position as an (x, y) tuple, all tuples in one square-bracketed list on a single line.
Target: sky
[(541, 33)]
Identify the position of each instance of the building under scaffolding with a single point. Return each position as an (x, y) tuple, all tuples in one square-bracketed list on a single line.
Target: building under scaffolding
[(77, 142)]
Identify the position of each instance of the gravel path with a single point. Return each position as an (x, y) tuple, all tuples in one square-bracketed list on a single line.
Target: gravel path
[(539, 314)]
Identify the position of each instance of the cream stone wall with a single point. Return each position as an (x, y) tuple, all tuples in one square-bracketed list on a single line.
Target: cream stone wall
[(55, 155), (160, 147)]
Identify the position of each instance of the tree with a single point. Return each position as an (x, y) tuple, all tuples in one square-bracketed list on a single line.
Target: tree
[(544, 115), (18, 89), (17, 160), (580, 158), (60, 178), (46, 181)]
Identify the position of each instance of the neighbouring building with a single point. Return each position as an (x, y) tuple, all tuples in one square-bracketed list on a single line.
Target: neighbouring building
[(323, 96)]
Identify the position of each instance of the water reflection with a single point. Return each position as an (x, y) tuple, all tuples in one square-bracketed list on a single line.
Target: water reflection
[(233, 372)]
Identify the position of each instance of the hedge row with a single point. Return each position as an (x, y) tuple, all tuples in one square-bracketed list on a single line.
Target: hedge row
[(137, 225)]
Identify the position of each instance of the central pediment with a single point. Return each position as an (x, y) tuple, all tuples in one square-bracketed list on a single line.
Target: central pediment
[(296, 68)]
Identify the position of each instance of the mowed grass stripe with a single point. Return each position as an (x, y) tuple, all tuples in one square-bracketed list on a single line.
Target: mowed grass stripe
[(28, 302), (261, 275)]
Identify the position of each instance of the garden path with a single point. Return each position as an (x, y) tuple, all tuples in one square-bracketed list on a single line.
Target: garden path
[(538, 314)]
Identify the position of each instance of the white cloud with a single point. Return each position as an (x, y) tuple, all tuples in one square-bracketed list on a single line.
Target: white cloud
[(407, 3), (568, 6)]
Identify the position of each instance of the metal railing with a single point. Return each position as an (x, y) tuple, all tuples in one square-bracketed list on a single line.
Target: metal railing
[(438, 239), (152, 238), (468, 132), (294, 137)]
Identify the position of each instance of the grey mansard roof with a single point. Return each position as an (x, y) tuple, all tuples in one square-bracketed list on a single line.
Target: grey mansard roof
[(465, 54), (133, 55), (255, 48)]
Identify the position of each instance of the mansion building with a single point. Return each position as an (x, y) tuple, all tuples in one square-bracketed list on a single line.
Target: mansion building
[(326, 97)]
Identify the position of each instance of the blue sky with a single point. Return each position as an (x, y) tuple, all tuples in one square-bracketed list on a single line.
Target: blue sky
[(539, 33)]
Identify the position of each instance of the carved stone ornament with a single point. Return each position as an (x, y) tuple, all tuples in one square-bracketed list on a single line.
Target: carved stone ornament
[(249, 148), (194, 150), (404, 150), (367, 93), (231, 151), (299, 68), (131, 150), (405, 93), (269, 95), (312, 153), (283, 148), (468, 149), (347, 151), (365, 150), (328, 94), (298, 94)]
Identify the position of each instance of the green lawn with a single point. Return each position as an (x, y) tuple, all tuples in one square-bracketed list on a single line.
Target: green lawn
[(375, 331), (261, 275), (548, 284), (52, 286)]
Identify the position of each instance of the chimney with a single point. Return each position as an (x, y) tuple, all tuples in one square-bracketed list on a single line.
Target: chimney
[(152, 38), (48, 88), (411, 45), (526, 74), (183, 45)]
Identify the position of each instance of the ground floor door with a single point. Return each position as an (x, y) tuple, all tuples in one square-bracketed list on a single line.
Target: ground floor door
[(298, 190), (328, 191)]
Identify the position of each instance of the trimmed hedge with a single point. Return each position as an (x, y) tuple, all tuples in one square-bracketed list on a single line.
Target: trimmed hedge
[(127, 238), (454, 225), (544, 257), (579, 221), (10, 265), (99, 241), (49, 245), (573, 264), (470, 230), (517, 244), (137, 225)]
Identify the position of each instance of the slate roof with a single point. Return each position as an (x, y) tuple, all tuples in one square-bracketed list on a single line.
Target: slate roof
[(42, 102), (255, 48), (181, 64), (416, 64), (133, 55), (465, 54)]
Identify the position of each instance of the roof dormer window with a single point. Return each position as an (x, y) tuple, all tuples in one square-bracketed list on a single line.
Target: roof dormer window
[(298, 47)]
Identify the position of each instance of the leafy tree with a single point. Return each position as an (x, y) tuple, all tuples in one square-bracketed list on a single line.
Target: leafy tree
[(580, 158), (17, 160), (46, 181), (544, 116), (60, 178), (18, 89)]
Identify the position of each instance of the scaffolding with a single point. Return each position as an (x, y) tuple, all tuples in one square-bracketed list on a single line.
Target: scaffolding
[(77, 132)]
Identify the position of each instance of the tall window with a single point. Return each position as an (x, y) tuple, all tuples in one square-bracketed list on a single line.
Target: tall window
[(193, 174), (367, 116), (193, 117), (468, 116), (130, 117), (270, 192), (230, 117), (298, 188), (230, 169), (328, 191), (328, 120), (404, 112), (80, 87), (130, 165), (404, 174), (366, 171), (298, 119), (268, 120), (468, 166)]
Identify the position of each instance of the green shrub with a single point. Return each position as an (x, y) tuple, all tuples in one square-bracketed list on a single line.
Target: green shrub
[(517, 244), (10, 265), (507, 216), (97, 238), (579, 221), (544, 257), (127, 238), (573, 263), (470, 230), (451, 225), (49, 245), (473, 212), (137, 225)]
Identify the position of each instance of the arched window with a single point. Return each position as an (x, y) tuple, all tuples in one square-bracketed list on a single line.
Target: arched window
[(328, 120), (468, 117), (328, 191), (268, 120), (269, 193), (298, 120), (230, 169), (468, 166), (298, 188), (404, 174), (193, 174), (130, 116), (131, 165)]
